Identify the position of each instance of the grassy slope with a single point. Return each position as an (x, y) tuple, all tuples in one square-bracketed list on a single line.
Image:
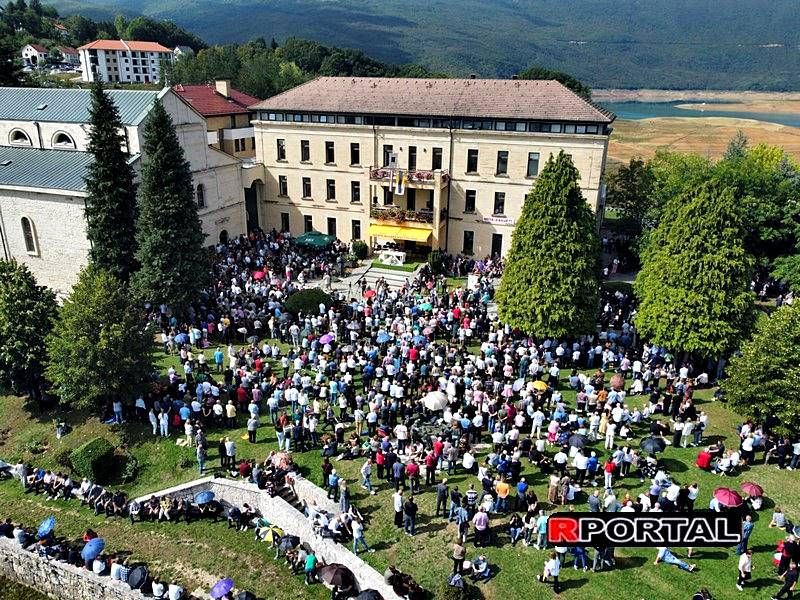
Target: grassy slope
[(195, 551)]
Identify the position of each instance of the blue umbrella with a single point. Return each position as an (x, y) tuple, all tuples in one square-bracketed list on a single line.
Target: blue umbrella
[(222, 587), (47, 526), (420, 339), (93, 548), (181, 338), (383, 337), (204, 497)]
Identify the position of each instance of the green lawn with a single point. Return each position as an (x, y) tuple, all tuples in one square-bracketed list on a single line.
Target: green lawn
[(409, 267), (201, 552)]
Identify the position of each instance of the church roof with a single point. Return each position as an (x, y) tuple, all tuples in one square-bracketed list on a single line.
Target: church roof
[(49, 169), (59, 105)]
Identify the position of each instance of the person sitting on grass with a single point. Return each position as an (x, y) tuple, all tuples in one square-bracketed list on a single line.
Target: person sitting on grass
[(664, 555), (480, 569)]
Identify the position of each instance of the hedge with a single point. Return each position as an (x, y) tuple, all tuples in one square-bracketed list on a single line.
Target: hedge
[(360, 249), (307, 301), (94, 459)]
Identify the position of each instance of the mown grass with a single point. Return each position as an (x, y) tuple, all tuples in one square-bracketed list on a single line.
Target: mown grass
[(201, 551)]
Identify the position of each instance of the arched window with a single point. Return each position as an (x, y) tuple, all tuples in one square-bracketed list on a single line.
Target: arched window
[(223, 236), (63, 140), (201, 196), (28, 232), (20, 138)]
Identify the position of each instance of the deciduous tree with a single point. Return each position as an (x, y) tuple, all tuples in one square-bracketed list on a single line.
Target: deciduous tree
[(693, 288), (550, 284)]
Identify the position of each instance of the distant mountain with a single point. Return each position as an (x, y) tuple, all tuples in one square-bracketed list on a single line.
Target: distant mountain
[(716, 44)]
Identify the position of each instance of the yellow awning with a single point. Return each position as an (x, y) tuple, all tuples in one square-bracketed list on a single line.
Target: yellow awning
[(398, 232)]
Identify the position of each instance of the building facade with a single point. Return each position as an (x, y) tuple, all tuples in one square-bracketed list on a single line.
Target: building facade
[(227, 115), (43, 161), (420, 163), (120, 61), (34, 54)]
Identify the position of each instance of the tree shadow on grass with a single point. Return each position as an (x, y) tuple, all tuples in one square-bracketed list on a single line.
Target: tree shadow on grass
[(572, 584), (673, 465), (629, 562)]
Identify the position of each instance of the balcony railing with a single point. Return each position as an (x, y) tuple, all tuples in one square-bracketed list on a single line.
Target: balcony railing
[(412, 176), (399, 215)]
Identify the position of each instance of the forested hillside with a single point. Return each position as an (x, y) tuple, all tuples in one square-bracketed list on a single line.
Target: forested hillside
[(718, 44)]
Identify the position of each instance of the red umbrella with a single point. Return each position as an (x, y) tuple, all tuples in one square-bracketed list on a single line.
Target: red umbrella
[(369, 293), (258, 275), (752, 489), (728, 497)]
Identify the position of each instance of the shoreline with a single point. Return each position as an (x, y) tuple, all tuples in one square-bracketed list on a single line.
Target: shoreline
[(689, 96)]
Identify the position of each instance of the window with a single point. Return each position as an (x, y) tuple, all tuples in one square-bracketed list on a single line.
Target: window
[(499, 203), (355, 154), (200, 195), (63, 140), (412, 158), (472, 161), (469, 242), (283, 186), (332, 226), (330, 187), (240, 145), (20, 138), (533, 164), (469, 201), (305, 151), (388, 196), (502, 162), (497, 244), (387, 155), (306, 187), (411, 199), (284, 221), (436, 159), (281, 149), (355, 191), (308, 223), (356, 229), (30, 236), (329, 153)]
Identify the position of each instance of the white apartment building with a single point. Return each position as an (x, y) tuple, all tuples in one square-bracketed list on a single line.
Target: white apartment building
[(424, 163), (120, 61), (43, 161)]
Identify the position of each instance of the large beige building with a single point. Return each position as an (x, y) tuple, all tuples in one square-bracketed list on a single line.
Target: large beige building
[(43, 161), (425, 163)]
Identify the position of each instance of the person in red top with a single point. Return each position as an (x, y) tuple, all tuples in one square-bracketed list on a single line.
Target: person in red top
[(242, 398), (438, 446), (413, 354), (380, 460), (412, 472), (259, 364), (703, 460), (608, 472), (430, 468)]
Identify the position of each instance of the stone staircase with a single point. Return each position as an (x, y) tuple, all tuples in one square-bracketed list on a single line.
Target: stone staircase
[(395, 279)]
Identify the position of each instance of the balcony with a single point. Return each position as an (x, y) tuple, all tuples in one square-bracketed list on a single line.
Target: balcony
[(400, 215), (415, 177)]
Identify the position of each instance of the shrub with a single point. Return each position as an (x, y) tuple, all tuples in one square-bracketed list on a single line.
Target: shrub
[(360, 249), (184, 463), (436, 261), (130, 468), (307, 301), (62, 457), (94, 459)]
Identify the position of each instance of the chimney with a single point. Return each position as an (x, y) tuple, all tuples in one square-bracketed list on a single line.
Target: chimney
[(223, 87)]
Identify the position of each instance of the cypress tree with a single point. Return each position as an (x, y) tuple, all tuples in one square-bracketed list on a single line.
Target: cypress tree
[(173, 263), (693, 288), (550, 283), (111, 200)]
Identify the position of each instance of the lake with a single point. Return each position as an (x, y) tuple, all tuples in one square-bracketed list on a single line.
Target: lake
[(648, 110)]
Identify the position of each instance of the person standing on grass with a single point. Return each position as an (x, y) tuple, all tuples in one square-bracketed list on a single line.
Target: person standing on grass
[(252, 428), (459, 555), (366, 476), (789, 578), (442, 492), (163, 421), (747, 530), (358, 536), (397, 503), (745, 569), (410, 516), (202, 454)]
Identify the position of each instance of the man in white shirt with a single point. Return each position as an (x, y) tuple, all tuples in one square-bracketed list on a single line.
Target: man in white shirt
[(552, 568)]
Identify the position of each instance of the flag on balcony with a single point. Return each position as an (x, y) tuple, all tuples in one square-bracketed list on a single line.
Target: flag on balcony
[(402, 180)]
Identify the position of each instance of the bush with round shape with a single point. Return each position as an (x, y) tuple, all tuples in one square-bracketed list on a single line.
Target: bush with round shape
[(94, 459), (307, 301), (360, 249)]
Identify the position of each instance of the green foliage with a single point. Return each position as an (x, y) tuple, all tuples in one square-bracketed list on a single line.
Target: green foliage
[(10, 70), (34, 447), (584, 91), (93, 460), (27, 313), (550, 284), (111, 200), (63, 457), (129, 469), (737, 147), (764, 379), (307, 301), (151, 30), (787, 268), (169, 236), (693, 288), (630, 190), (101, 348), (360, 249), (436, 261)]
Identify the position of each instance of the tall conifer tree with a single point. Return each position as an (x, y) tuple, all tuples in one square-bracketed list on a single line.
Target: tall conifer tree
[(169, 236), (551, 282), (111, 200)]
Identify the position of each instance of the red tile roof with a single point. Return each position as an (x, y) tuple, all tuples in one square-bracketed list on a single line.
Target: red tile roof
[(492, 98), (38, 48), (206, 100), (125, 45), (67, 50)]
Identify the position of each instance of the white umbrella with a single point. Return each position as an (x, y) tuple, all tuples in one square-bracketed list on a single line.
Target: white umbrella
[(435, 401)]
